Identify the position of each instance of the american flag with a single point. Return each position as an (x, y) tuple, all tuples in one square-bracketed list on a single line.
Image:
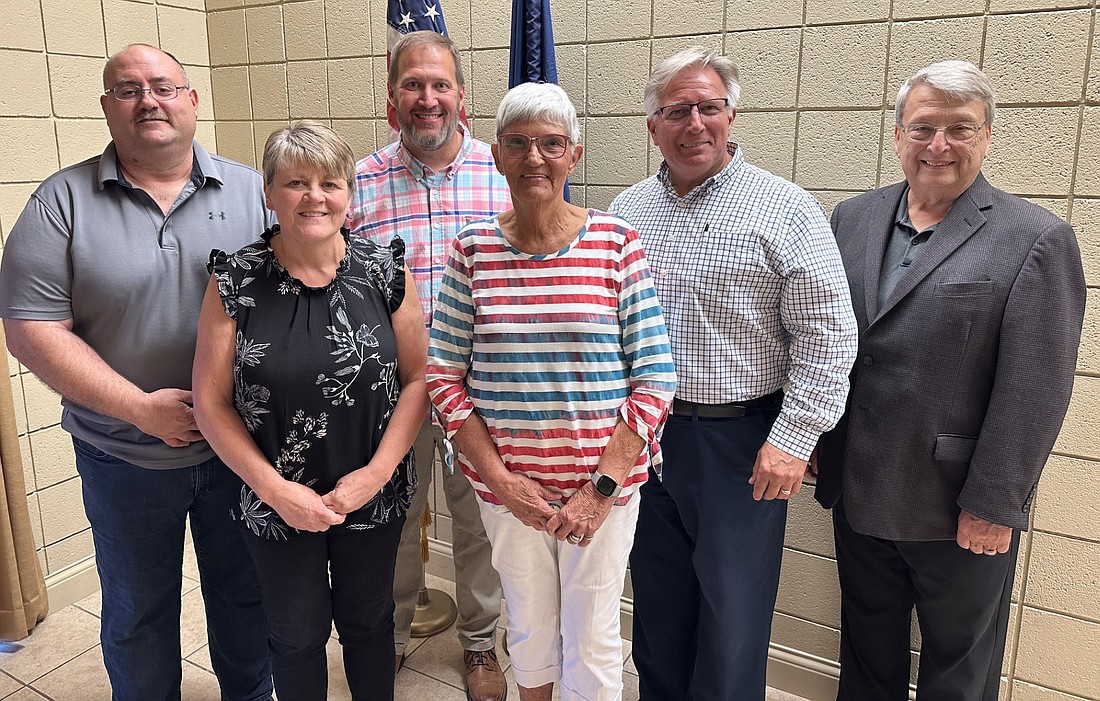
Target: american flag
[(404, 16)]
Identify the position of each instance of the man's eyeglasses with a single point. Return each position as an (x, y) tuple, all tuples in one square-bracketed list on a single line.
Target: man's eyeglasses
[(680, 111), (518, 145), (958, 133), (161, 92)]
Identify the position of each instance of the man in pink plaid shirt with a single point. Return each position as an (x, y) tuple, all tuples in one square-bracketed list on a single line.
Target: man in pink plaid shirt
[(425, 187)]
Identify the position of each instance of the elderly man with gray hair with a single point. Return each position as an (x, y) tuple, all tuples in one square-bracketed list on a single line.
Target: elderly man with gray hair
[(969, 302), (755, 298)]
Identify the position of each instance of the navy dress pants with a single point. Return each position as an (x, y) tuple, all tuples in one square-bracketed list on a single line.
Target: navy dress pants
[(705, 564)]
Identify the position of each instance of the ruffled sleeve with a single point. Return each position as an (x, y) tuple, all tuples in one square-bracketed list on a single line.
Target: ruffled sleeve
[(221, 267), (397, 274), (381, 268), (235, 271)]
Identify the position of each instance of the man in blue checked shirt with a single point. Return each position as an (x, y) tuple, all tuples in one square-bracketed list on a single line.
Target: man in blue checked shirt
[(756, 300)]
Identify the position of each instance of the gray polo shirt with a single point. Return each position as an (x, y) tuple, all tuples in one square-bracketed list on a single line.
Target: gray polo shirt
[(92, 248)]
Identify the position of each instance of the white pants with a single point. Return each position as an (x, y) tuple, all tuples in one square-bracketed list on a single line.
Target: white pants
[(563, 602)]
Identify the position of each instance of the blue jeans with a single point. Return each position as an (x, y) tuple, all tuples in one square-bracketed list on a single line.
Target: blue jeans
[(138, 517)]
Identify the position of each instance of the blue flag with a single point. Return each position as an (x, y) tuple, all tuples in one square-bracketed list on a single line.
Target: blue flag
[(531, 54)]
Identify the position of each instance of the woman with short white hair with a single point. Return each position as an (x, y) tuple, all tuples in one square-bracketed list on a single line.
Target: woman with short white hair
[(551, 368)]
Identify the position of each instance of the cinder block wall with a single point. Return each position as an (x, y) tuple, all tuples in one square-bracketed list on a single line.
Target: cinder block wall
[(819, 80)]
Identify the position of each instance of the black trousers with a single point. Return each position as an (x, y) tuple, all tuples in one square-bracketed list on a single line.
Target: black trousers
[(962, 602), (314, 579), (705, 564)]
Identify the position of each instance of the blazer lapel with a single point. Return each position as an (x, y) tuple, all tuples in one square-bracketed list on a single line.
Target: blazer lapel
[(880, 222), (963, 219)]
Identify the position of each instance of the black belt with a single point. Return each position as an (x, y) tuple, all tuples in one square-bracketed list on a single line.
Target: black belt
[(681, 407)]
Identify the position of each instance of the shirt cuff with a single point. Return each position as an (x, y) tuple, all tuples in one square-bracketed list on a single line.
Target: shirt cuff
[(793, 439)]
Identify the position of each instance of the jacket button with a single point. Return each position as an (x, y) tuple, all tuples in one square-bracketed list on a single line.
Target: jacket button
[(868, 360)]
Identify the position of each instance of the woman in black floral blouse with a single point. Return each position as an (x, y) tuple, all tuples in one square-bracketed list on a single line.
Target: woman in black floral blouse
[(309, 384)]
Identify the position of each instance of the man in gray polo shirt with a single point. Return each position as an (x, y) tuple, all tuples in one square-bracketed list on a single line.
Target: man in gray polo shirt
[(100, 291)]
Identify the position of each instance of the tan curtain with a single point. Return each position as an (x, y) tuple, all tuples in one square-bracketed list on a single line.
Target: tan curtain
[(23, 600)]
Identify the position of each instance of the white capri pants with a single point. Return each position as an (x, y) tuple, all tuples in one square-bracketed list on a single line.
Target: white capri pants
[(563, 602)]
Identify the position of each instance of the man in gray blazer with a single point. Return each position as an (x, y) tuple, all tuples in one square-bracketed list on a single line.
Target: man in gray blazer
[(969, 303)]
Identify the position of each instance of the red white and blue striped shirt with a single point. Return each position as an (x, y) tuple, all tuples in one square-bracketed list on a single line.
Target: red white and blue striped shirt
[(552, 351)]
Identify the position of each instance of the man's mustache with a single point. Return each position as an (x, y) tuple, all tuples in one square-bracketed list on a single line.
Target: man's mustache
[(151, 114)]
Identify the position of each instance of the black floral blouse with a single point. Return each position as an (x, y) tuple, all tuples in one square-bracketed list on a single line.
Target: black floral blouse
[(315, 372)]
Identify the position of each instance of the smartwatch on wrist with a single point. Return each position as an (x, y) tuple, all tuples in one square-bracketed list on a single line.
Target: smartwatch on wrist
[(606, 486)]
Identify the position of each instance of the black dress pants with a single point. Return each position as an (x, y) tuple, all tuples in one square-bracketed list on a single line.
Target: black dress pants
[(314, 579), (962, 602)]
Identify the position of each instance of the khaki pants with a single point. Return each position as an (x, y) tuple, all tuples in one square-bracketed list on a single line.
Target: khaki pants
[(477, 587)]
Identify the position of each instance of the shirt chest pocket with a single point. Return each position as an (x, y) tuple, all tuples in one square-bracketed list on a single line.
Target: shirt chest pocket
[(727, 265)]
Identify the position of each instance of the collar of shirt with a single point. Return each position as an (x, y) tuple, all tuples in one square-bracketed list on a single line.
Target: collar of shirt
[(901, 217), (703, 189), (420, 171), (202, 167), (111, 170)]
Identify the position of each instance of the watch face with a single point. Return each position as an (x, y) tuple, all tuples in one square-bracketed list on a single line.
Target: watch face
[(606, 486)]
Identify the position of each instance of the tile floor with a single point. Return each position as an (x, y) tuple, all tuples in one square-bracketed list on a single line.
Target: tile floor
[(62, 660)]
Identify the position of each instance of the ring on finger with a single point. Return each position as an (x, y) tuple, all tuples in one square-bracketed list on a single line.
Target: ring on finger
[(785, 492), (587, 537), (574, 539)]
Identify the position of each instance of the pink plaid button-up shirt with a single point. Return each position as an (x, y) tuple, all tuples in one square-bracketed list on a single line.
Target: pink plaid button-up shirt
[(397, 195)]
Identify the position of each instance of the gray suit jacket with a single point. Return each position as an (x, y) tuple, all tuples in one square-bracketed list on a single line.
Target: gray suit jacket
[(963, 375)]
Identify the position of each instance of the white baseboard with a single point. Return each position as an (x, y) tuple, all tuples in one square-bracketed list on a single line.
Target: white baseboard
[(806, 675), (801, 673), (71, 584)]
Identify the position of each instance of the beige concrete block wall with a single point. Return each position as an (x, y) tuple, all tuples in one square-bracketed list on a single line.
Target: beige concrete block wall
[(819, 78), (51, 61)]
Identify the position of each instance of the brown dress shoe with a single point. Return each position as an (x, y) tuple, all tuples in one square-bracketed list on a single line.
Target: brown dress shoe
[(484, 678), (398, 663)]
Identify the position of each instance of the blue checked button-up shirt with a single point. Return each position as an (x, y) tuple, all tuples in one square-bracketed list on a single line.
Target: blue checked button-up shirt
[(754, 294)]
